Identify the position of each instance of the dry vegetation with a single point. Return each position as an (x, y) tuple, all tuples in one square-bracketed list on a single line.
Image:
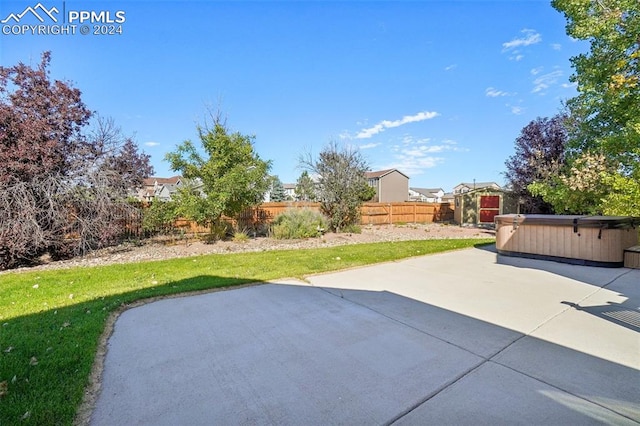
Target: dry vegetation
[(174, 247)]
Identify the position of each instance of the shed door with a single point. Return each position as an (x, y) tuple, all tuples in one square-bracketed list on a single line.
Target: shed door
[(489, 208)]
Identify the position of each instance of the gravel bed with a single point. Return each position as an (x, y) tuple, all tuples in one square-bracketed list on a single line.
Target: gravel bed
[(157, 249)]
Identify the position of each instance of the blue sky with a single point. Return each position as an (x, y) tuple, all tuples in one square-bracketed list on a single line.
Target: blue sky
[(437, 89)]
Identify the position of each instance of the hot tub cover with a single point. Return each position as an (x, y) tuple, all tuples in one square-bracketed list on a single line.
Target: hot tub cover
[(602, 222)]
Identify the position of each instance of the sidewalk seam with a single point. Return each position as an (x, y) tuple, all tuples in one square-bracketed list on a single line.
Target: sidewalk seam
[(485, 360)]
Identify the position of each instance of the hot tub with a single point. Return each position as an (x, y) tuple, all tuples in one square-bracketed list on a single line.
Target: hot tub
[(582, 240)]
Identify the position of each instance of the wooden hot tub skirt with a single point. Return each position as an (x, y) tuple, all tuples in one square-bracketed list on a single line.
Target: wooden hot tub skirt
[(580, 240)]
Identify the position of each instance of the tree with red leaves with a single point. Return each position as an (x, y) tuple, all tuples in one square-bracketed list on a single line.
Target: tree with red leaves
[(539, 153), (62, 191), (40, 123)]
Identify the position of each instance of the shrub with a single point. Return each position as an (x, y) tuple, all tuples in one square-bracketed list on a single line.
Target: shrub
[(302, 223), (218, 231), (48, 216), (342, 186), (240, 236), (159, 217), (353, 228)]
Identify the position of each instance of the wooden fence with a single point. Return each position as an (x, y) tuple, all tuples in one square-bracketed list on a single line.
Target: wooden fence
[(387, 213), (266, 212), (371, 214)]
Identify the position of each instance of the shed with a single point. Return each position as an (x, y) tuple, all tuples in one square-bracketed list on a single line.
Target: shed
[(481, 206)]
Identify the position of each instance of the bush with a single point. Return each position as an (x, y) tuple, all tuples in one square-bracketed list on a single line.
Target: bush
[(159, 217), (342, 186), (218, 231), (353, 228), (50, 216), (240, 236), (302, 223)]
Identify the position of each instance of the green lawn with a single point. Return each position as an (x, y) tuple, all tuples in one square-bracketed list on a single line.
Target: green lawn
[(51, 321)]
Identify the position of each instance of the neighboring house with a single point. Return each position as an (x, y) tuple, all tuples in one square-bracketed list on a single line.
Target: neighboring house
[(448, 197), (289, 191), (472, 186), (165, 192), (158, 187), (480, 206), (390, 185), (426, 195)]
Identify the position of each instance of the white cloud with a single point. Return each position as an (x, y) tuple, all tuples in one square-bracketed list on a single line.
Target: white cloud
[(386, 124), (410, 140), (545, 81), (368, 145), (421, 146), (152, 144), (367, 133), (530, 37), (569, 85), (451, 67), (494, 93), (345, 135), (556, 46), (517, 110), (536, 71), (424, 149), (413, 157), (413, 166), (513, 47)]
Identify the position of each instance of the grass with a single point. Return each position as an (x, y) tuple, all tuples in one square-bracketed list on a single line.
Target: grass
[(51, 321)]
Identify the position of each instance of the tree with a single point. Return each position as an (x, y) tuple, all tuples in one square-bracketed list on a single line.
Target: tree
[(605, 116), (579, 189), (305, 188), (60, 190), (623, 199), (40, 124), (368, 193), (539, 154), (226, 180), (607, 108), (341, 183), (118, 157), (277, 190), (159, 217)]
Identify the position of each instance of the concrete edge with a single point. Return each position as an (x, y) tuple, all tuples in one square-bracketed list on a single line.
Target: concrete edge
[(94, 385)]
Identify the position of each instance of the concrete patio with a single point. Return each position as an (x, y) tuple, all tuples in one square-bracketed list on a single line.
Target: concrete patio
[(465, 337)]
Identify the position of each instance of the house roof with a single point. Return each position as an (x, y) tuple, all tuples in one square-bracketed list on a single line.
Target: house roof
[(381, 173), (484, 189), (150, 181), (427, 191), (289, 185), (477, 185), (434, 190), (171, 188)]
